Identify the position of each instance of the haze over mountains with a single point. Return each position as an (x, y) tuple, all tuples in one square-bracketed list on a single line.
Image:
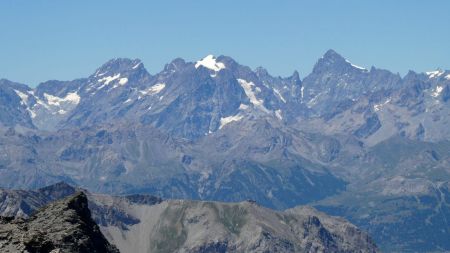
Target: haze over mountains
[(365, 144)]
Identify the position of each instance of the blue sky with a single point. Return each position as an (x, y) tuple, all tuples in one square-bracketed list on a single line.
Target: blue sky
[(43, 40)]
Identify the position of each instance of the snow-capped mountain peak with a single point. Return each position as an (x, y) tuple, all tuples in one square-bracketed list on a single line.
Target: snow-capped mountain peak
[(210, 62)]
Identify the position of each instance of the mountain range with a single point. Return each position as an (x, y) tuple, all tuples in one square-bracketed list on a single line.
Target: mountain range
[(365, 144)]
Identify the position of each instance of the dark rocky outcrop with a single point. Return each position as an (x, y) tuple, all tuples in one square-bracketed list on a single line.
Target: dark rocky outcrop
[(63, 226)]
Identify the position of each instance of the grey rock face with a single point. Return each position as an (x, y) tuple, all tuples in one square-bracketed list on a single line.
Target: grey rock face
[(63, 226), (236, 227), (371, 125), (445, 96), (12, 110)]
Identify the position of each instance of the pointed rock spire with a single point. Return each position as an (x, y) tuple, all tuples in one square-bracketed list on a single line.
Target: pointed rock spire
[(330, 61)]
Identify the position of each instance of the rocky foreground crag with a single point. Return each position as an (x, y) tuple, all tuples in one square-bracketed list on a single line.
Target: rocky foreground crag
[(144, 223), (63, 226)]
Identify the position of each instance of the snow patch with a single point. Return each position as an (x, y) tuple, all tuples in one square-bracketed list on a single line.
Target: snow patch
[(71, 97), (61, 111), (40, 102), (434, 74), (107, 79), (99, 74), (229, 119), (23, 97), (210, 62), (270, 196), (447, 77), (302, 91), (378, 107), (437, 91), (279, 95), (32, 113), (356, 66), (24, 101), (56, 105), (248, 89), (136, 66), (155, 89), (123, 81), (314, 100), (243, 107), (278, 114)]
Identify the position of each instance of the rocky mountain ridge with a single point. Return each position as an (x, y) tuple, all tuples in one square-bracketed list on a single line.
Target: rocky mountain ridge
[(142, 223), (123, 90), (217, 130)]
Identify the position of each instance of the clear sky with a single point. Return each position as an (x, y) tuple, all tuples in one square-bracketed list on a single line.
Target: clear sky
[(42, 40)]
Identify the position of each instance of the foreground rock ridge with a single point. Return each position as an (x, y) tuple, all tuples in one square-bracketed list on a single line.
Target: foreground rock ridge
[(358, 142), (63, 226), (143, 223)]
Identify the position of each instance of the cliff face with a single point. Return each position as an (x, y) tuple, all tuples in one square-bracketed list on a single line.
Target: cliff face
[(62, 226)]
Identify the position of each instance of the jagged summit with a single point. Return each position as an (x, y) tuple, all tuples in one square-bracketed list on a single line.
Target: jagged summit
[(261, 71), (175, 65), (296, 76), (119, 72), (120, 65), (329, 61), (264, 73), (331, 55), (334, 62)]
